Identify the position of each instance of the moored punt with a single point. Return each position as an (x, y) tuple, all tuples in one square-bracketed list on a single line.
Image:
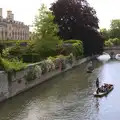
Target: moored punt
[(101, 94), (90, 71), (117, 56)]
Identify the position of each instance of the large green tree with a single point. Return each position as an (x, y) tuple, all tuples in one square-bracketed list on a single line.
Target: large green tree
[(115, 28), (46, 39)]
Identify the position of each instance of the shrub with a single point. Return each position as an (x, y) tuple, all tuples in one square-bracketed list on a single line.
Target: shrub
[(108, 43), (73, 41), (30, 58), (13, 52), (46, 39), (116, 41), (73, 46), (6, 53), (111, 42), (12, 65), (31, 75), (69, 58), (50, 64), (43, 67)]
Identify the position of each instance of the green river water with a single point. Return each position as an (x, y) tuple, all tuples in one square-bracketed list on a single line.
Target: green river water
[(68, 96)]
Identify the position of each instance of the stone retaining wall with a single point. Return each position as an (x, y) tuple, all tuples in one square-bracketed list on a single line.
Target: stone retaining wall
[(14, 83)]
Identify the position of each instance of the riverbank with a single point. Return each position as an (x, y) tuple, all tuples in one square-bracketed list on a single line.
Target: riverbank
[(13, 83)]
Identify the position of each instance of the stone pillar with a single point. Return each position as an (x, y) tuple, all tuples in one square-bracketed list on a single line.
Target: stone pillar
[(0, 12)]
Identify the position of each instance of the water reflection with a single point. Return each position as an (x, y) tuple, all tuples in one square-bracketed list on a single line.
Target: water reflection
[(97, 104), (69, 97)]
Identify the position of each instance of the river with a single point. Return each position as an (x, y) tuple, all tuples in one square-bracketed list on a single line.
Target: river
[(69, 96)]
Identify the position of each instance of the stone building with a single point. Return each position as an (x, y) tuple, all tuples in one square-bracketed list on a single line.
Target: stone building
[(11, 29)]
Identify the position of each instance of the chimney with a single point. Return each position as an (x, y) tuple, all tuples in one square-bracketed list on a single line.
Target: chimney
[(0, 12), (9, 14), (12, 16)]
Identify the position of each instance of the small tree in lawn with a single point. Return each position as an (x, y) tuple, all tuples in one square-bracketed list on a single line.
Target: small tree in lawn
[(46, 39)]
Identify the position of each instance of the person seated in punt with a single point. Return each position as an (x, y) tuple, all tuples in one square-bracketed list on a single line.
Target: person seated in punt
[(107, 85), (103, 89)]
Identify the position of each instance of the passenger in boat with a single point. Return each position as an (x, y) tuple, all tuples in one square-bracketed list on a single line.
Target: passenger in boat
[(107, 86), (102, 88), (110, 86), (97, 83), (105, 89)]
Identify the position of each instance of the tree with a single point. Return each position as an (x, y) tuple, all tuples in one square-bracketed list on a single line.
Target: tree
[(46, 39), (115, 28), (77, 20), (72, 46), (115, 24), (105, 33)]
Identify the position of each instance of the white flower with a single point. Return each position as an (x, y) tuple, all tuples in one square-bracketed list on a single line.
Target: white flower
[(38, 71)]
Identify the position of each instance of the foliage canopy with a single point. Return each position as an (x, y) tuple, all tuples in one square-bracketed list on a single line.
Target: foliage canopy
[(46, 39), (77, 20)]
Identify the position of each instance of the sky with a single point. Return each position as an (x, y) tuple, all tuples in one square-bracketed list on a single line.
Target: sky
[(26, 10)]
